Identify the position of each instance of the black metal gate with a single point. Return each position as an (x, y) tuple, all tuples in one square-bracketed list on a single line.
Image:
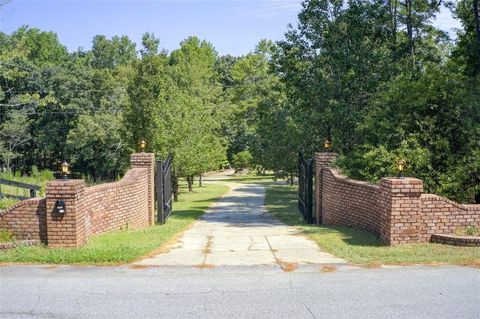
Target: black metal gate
[(164, 189), (305, 188)]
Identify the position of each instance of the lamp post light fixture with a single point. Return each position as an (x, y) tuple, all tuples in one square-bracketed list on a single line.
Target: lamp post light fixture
[(65, 170), (143, 144), (328, 145), (401, 168)]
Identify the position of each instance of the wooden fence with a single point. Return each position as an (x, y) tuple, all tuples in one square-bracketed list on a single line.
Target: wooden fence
[(34, 189)]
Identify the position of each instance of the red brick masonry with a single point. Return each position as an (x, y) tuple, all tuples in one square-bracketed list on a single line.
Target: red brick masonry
[(26, 220), (396, 210), (90, 211)]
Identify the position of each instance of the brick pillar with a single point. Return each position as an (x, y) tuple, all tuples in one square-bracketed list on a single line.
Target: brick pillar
[(322, 160), (147, 160), (67, 229), (401, 210)]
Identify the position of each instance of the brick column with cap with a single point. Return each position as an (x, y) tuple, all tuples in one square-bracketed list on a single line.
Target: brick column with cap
[(147, 160), (65, 229), (401, 209), (322, 160)]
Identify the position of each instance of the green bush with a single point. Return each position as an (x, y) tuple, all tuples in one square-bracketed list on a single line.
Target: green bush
[(242, 160)]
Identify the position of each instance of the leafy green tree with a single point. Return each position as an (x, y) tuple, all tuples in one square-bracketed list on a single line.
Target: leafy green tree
[(250, 83), (150, 44), (14, 134), (41, 48), (112, 53), (96, 146), (242, 160), (468, 49), (173, 105)]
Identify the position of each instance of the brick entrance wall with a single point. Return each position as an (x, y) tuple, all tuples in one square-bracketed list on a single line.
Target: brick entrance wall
[(396, 210), (90, 211), (26, 220)]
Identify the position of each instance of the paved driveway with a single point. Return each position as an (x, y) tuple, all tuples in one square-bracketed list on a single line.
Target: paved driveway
[(237, 230)]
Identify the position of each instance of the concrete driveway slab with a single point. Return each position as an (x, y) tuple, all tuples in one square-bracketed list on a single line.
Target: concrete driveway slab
[(240, 258), (237, 230)]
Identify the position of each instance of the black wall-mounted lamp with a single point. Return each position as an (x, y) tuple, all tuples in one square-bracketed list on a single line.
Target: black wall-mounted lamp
[(60, 207)]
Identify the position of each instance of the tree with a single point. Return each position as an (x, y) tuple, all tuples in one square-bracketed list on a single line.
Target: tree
[(4, 3), (250, 81), (467, 52), (112, 53), (95, 146), (242, 160), (202, 148), (150, 44), (14, 133), (173, 106)]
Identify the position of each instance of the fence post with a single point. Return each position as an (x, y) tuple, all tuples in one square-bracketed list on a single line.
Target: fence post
[(67, 228), (309, 192), (400, 199), (322, 160), (147, 160)]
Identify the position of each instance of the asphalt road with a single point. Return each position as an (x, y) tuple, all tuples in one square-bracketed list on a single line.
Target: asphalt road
[(238, 292)]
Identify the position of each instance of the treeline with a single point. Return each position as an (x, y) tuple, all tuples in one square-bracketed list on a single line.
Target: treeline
[(374, 77), (92, 108), (383, 84)]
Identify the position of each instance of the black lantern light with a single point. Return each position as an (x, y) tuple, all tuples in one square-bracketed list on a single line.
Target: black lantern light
[(401, 168), (327, 145), (65, 170), (143, 144)]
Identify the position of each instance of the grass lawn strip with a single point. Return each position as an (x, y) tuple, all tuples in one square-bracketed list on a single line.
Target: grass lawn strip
[(126, 245), (362, 247)]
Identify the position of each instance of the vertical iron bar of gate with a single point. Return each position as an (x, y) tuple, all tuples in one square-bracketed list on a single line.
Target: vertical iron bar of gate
[(301, 206), (305, 188), (309, 192), (160, 214)]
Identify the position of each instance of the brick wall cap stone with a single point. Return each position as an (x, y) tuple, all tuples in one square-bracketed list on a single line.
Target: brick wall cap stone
[(67, 183)]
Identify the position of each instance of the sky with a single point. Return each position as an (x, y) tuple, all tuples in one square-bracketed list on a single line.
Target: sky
[(232, 26)]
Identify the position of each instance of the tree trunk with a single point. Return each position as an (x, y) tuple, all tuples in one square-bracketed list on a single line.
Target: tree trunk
[(476, 16), (411, 49), (200, 181), (291, 179), (190, 183), (392, 8), (175, 187)]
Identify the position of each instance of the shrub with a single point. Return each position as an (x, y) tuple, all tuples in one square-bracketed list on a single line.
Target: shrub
[(242, 160)]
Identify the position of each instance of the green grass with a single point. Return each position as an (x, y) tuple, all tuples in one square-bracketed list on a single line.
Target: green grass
[(124, 246), (250, 178), (359, 246), (7, 203), (468, 231), (6, 236)]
